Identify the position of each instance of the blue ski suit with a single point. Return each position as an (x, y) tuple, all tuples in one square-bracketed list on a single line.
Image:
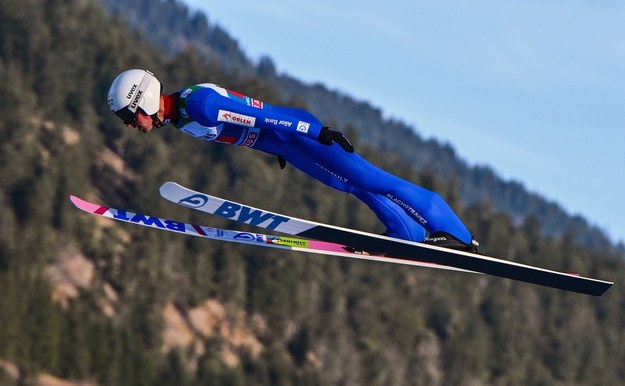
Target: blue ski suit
[(212, 113)]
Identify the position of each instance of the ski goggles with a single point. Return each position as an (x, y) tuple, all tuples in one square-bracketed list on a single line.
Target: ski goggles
[(128, 116)]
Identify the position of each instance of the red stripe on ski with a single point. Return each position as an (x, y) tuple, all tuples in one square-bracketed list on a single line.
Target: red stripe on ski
[(199, 229), (101, 210)]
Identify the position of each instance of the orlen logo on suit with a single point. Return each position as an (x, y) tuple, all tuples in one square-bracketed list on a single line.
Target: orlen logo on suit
[(239, 119)]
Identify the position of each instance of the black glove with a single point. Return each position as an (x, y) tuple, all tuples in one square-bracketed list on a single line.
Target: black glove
[(281, 161), (328, 137)]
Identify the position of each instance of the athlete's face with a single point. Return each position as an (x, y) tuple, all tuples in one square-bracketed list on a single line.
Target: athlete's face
[(143, 123)]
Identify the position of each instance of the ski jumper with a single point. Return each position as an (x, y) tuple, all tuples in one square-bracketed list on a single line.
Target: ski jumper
[(212, 113)]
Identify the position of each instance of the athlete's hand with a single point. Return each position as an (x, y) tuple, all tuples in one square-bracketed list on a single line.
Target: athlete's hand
[(281, 161), (328, 137)]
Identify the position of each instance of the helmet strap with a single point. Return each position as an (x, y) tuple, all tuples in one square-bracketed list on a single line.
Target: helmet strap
[(156, 121)]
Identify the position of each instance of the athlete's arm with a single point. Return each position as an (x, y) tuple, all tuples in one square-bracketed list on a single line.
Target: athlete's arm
[(210, 108)]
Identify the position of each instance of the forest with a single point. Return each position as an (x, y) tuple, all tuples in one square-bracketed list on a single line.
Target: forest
[(93, 301)]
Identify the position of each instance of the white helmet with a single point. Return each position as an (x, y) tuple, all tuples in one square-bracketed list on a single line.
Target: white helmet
[(133, 90)]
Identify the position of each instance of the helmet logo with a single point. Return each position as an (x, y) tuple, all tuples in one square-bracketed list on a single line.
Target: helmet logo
[(132, 90), (135, 101)]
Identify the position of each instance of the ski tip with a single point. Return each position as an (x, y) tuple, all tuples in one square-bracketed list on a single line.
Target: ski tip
[(85, 205), (75, 200), (80, 203), (166, 185)]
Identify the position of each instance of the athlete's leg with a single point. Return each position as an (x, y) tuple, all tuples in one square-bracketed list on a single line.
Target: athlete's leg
[(425, 207), (398, 223)]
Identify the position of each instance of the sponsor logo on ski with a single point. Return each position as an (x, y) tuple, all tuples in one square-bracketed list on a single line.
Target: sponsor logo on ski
[(303, 127), (194, 201), (239, 119), (291, 242), (149, 221), (249, 215), (248, 237)]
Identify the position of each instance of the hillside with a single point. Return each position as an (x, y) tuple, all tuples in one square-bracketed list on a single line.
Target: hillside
[(91, 301)]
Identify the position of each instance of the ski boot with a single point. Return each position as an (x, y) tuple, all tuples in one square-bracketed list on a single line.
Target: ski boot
[(445, 240)]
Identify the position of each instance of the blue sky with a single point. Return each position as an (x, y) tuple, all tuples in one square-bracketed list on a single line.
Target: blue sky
[(534, 89)]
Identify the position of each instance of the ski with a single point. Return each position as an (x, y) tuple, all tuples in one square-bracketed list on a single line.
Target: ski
[(228, 235), (400, 249)]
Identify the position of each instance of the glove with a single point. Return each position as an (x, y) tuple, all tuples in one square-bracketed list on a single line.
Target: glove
[(328, 137), (281, 161)]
